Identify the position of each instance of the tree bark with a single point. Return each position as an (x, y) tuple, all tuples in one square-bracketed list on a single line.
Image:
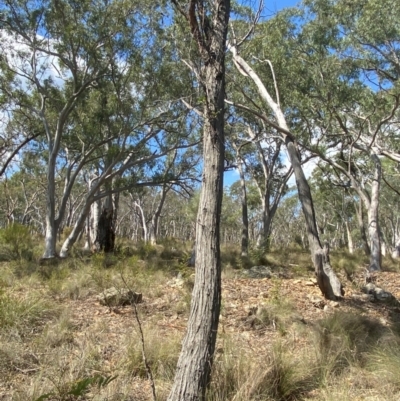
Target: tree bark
[(143, 223), (156, 216), (245, 217), (396, 251), (209, 29), (373, 218), (349, 238), (105, 229), (361, 227), (78, 226), (86, 247), (95, 211), (328, 282), (51, 224)]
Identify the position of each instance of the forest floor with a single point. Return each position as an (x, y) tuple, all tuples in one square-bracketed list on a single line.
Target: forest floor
[(278, 338)]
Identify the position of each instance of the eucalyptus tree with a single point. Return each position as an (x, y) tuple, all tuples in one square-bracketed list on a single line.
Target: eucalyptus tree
[(208, 23), (274, 116), (348, 111), (390, 206), (132, 163), (243, 201), (334, 204), (264, 164), (25, 186), (58, 51), (178, 174), (253, 206), (288, 228)]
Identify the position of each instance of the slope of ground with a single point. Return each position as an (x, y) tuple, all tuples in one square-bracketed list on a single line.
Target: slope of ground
[(278, 339)]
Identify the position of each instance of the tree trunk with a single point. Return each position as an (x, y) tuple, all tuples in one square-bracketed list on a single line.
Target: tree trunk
[(95, 211), (51, 224), (196, 358), (142, 221), (86, 247), (396, 251), (373, 218), (268, 216), (327, 280), (78, 226), (361, 227), (115, 205), (156, 216), (105, 229), (245, 217), (349, 238)]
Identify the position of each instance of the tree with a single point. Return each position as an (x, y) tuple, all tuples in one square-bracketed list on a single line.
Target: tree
[(328, 282), (58, 60), (350, 109), (208, 23)]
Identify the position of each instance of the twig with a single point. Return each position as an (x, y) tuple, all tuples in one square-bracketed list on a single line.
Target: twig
[(145, 361)]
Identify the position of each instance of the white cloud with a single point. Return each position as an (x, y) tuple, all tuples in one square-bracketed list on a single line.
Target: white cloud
[(30, 64)]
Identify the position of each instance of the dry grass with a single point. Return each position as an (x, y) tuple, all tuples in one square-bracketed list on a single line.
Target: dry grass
[(55, 337)]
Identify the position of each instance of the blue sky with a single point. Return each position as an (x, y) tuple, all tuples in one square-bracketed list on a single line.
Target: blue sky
[(276, 5)]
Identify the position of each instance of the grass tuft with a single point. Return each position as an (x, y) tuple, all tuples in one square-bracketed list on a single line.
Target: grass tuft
[(162, 353)]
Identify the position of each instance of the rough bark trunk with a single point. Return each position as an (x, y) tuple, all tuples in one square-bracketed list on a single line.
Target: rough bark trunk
[(105, 229), (268, 216), (196, 358)]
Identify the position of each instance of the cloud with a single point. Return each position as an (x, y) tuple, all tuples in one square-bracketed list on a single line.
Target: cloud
[(30, 64)]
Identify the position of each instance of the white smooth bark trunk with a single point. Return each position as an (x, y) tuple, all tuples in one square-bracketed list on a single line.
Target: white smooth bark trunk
[(143, 222), (156, 216), (95, 211), (51, 224), (245, 217), (373, 218), (328, 282), (349, 238), (396, 251), (78, 226)]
